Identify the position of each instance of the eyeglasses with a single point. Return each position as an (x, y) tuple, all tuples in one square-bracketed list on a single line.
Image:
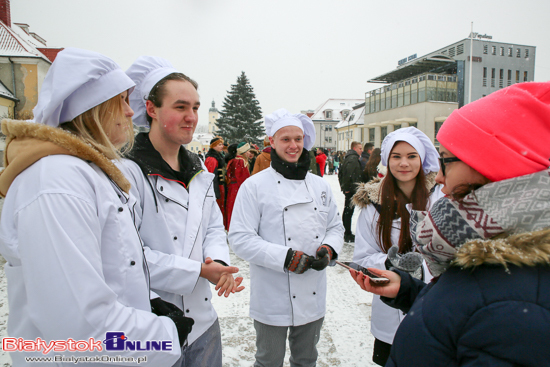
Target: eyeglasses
[(444, 161)]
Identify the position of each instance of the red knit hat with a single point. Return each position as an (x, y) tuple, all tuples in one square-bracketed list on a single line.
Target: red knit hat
[(503, 135)]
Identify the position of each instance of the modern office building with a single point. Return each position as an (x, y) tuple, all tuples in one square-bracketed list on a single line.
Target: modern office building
[(423, 91)]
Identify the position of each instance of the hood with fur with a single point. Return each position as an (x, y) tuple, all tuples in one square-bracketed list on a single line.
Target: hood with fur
[(525, 249), (369, 192), (28, 142)]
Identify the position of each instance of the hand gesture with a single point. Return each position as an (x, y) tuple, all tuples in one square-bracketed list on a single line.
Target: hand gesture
[(222, 276)]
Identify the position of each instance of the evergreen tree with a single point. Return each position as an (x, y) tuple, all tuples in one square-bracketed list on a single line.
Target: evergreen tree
[(240, 114)]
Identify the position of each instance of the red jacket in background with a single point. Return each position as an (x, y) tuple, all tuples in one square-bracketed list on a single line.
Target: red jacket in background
[(321, 160)]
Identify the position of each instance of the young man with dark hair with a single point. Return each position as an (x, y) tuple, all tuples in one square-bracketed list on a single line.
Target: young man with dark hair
[(176, 212), (286, 224), (365, 155)]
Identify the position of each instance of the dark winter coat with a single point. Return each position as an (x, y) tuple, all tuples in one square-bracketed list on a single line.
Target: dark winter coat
[(364, 159), (313, 166), (492, 308), (350, 173)]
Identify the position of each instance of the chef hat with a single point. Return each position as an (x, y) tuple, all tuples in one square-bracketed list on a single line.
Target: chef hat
[(419, 141), (77, 81), (146, 71), (282, 118)]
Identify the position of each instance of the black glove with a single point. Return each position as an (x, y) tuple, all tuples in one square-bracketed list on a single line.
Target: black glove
[(297, 261), (322, 257), (411, 262), (184, 324)]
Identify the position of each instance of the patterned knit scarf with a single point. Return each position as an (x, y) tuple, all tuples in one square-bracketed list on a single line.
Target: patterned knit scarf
[(517, 205)]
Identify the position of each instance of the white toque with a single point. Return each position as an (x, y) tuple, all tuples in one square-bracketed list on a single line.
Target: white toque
[(77, 81), (146, 71), (282, 118), (419, 141)]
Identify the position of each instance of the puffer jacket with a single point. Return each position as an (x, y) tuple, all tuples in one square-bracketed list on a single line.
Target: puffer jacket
[(490, 308), (350, 173)]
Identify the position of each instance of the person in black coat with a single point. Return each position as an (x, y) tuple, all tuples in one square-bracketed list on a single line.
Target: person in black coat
[(349, 175)]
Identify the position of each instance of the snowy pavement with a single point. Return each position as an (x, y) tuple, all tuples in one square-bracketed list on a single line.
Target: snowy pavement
[(345, 338)]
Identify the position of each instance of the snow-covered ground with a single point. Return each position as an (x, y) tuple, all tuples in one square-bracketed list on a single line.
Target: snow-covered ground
[(345, 339)]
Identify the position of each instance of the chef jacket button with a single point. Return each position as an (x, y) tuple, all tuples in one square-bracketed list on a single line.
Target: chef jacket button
[(120, 209), (279, 182), (286, 209), (289, 238), (132, 263), (315, 208), (293, 296), (187, 310), (175, 238), (316, 236), (206, 299), (167, 200), (313, 292), (161, 188)]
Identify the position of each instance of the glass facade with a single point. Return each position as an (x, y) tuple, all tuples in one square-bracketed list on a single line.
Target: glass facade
[(421, 88)]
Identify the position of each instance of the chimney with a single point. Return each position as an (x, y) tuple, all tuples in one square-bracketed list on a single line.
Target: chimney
[(5, 15)]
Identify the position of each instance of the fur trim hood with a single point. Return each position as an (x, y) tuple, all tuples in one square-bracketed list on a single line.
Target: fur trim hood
[(369, 192), (28, 142), (525, 249)]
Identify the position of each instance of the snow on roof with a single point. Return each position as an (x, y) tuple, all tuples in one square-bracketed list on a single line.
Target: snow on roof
[(16, 42), (336, 106), (5, 92), (354, 118)]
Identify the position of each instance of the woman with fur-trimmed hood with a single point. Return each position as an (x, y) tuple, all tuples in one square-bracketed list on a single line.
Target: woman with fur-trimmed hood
[(487, 243), (75, 265), (382, 237)]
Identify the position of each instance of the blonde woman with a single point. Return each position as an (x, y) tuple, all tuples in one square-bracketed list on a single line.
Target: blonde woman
[(75, 265)]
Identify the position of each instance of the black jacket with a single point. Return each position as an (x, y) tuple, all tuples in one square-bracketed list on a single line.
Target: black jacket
[(364, 159), (350, 173)]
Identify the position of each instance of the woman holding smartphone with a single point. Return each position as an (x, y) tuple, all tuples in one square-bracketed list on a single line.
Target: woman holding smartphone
[(75, 265), (382, 235), (487, 243)]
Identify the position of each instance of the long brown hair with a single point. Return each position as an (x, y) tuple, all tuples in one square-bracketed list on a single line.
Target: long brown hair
[(393, 202), (371, 169)]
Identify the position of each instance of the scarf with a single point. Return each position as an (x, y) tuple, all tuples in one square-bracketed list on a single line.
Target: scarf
[(504, 208), (291, 171), (151, 162)]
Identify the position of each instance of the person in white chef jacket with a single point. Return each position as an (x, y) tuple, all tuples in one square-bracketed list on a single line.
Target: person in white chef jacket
[(176, 211), (286, 224), (75, 265)]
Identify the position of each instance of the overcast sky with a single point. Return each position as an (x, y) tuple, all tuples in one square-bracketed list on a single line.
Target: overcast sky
[(296, 53)]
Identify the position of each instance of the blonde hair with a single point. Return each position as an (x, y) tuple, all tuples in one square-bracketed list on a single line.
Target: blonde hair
[(92, 127)]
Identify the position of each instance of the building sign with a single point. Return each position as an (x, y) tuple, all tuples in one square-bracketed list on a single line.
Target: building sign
[(406, 59), (475, 58), (480, 36)]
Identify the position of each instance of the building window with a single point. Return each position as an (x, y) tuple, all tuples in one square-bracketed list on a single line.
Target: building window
[(501, 78), (493, 50), (510, 51), (460, 49), (517, 76), (328, 115), (383, 132), (371, 135), (345, 113), (493, 76), (452, 52), (525, 76), (413, 124), (501, 51), (485, 49), (484, 76), (518, 52), (509, 77), (438, 126), (526, 53)]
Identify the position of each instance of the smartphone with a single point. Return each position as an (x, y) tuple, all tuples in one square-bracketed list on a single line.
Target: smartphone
[(373, 277)]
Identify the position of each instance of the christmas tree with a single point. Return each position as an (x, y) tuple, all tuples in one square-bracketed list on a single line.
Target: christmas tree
[(240, 114)]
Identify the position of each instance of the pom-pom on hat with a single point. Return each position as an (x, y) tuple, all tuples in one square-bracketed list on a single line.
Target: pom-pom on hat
[(77, 81), (503, 135), (282, 118), (243, 148), (146, 71), (419, 141)]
